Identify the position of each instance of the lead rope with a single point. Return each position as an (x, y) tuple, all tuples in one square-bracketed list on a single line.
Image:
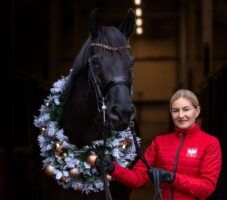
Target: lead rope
[(152, 172), (105, 131)]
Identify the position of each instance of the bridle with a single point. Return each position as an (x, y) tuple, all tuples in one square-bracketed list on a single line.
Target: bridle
[(117, 80), (111, 48), (100, 96), (152, 172), (100, 99)]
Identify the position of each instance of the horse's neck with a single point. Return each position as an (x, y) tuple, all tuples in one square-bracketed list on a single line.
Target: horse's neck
[(80, 112)]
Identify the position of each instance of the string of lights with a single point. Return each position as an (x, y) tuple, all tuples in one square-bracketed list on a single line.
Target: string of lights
[(139, 14)]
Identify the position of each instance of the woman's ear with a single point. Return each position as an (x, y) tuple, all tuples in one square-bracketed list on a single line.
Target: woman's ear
[(197, 111)]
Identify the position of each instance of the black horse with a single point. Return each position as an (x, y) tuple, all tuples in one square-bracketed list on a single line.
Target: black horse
[(102, 73)]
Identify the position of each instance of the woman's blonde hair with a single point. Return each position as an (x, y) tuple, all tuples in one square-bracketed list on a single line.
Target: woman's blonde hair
[(186, 94)]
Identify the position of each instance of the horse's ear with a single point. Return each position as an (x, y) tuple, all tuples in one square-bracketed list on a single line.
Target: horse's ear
[(95, 19), (128, 25)]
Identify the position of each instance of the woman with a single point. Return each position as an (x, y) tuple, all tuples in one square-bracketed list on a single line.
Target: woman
[(188, 160)]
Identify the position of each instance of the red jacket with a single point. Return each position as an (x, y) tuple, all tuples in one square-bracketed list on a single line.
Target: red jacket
[(193, 155)]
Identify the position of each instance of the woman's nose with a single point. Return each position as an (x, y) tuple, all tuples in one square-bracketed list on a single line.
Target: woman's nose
[(181, 113)]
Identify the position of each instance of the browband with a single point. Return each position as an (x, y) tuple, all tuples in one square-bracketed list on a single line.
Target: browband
[(104, 46)]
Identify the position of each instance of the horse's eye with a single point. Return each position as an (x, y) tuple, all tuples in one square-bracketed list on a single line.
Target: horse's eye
[(97, 66), (95, 63)]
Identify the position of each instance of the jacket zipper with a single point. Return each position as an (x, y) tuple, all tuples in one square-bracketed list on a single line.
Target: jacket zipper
[(176, 161)]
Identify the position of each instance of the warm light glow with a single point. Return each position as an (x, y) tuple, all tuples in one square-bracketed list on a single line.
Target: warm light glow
[(138, 12), (137, 2), (139, 30), (139, 22)]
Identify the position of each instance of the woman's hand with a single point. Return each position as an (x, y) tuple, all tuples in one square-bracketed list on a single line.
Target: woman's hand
[(163, 175), (104, 165)]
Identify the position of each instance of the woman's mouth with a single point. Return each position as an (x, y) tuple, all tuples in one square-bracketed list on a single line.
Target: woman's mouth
[(182, 121)]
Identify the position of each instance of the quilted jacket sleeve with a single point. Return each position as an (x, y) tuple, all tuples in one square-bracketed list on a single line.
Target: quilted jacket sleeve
[(203, 185), (137, 176)]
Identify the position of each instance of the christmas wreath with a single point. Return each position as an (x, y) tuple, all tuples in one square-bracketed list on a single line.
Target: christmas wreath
[(69, 165)]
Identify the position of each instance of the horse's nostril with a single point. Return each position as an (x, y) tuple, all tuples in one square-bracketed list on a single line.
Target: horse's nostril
[(120, 117), (120, 114), (114, 113)]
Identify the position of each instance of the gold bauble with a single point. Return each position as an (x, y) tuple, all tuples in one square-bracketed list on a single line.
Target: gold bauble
[(74, 172), (91, 159), (64, 179), (49, 170), (109, 178), (125, 143)]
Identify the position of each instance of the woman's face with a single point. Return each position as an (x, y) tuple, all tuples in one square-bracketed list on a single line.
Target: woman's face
[(184, 113)]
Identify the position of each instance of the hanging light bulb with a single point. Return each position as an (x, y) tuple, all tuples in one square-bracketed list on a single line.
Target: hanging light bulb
[(137, 2), (138, 12), (139, 22), (139, 30)]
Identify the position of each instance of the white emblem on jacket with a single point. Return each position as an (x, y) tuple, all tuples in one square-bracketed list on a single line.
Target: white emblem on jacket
[(192, 152)]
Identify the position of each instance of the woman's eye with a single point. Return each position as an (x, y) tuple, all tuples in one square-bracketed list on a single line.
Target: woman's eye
[(186, 109)]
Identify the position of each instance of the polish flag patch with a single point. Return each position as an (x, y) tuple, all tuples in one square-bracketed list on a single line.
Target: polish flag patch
[(192, 152)]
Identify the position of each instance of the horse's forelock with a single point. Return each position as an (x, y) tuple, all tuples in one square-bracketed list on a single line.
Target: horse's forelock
[(112, 36), (109, 36)]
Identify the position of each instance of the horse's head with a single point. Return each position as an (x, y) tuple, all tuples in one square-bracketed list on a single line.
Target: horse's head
[(110, 68)]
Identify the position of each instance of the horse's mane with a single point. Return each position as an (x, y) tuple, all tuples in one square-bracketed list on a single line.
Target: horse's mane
[(79, 62), (82, 58)]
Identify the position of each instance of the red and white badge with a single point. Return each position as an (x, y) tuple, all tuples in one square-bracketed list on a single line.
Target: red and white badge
[(192, 152)]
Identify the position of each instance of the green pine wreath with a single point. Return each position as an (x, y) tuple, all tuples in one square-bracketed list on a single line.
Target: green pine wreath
[(69, 165)]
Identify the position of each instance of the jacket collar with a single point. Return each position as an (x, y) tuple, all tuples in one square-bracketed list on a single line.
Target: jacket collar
[(188, 131)]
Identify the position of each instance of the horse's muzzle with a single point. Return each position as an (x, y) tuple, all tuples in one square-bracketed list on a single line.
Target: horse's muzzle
[(119, 117)]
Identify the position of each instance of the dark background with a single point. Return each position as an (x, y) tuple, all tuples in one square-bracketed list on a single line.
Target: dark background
[(34, 55)]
